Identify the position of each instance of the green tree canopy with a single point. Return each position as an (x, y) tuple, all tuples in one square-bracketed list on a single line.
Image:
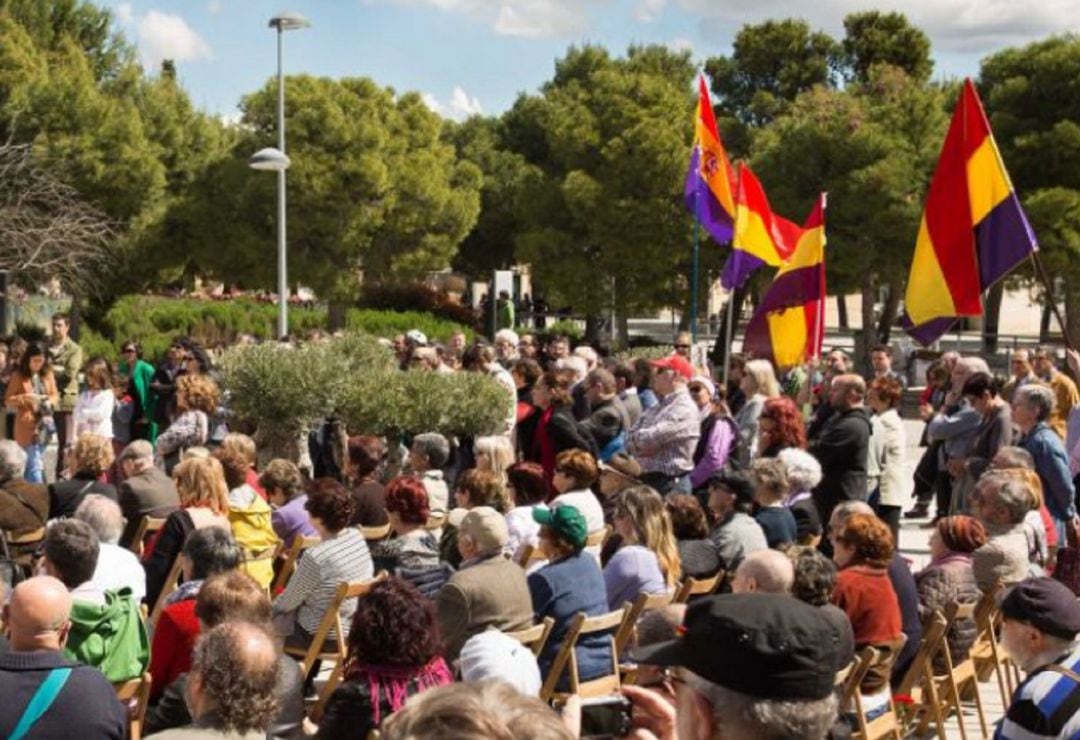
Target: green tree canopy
[(872, 38)]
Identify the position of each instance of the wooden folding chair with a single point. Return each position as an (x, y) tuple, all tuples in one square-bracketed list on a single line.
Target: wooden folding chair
[(987, 652), (331, 623), (135, 696), (299, 544), (697, 587), (961, 677), (886, 724), (148, 526), (435, 521), (599, 537), (375, 534), (918, 681), (566, 659), (641, 604), (848, 684), (534, 637), (172, 580)]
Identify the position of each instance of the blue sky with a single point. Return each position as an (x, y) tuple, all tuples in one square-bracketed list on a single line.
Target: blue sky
[(471, 56)]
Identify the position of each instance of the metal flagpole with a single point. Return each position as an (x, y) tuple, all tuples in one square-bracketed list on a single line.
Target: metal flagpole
[(1045, 279), (694, 281)]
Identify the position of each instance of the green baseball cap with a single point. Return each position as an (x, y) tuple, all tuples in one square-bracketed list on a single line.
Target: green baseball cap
[(567, 521)]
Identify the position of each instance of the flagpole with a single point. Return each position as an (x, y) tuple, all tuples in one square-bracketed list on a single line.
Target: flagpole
[(1045, 279), (820, 337), (694, 275)]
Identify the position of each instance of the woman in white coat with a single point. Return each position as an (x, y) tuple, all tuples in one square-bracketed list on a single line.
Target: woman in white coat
[(888, 450)]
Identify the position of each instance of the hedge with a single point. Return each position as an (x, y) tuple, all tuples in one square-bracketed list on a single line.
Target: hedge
[(155, 321)]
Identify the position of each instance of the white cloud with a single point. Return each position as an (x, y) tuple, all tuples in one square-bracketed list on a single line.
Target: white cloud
[(461, 104), (125, 13), (524, 18), (953, 25), (647, 11), (213, 7), (232, 119), (167, 36), (681, 44)]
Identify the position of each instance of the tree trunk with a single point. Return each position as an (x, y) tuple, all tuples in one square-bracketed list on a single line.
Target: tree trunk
[(75, 317), (890, 309), (1072, 315), (335, 315), (868, 334), (592, 328), (841, 311), (992, 317)]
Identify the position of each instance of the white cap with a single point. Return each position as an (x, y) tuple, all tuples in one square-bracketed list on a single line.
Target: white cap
[(493, 654)]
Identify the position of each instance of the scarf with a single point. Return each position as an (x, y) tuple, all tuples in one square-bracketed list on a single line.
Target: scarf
[(392, 682)]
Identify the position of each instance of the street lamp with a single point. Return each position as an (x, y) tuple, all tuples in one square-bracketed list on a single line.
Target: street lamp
[(275, 159)]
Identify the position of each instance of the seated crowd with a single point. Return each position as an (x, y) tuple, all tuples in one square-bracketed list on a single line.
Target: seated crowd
[(737, 552)]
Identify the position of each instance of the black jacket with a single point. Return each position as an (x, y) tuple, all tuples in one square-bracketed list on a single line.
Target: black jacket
[(842, 450), (607, 420), (86, 706), (66, 495)]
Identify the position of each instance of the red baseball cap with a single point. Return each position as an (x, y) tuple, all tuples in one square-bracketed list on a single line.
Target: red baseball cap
[(678, 363)]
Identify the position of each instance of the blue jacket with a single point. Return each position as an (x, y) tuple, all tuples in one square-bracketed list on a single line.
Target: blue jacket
[(1052, 466)]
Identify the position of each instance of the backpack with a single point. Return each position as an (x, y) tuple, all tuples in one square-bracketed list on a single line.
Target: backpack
[(254, 533), (111, 638)]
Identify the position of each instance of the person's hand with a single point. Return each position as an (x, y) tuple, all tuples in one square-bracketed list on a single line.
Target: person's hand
[(957, 466), (653, 716), (571, 714), (926, 412), (1072, 532), (1072, 357)]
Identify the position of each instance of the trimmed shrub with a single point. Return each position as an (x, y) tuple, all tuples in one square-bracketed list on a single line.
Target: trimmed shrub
[(417, 297), (388, 323)]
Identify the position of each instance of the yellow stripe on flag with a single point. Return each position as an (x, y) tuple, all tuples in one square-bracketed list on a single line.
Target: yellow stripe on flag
[(988, 183), (788, 332)]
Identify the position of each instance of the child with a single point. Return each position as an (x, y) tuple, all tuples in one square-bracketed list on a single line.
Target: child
[(771, 488)]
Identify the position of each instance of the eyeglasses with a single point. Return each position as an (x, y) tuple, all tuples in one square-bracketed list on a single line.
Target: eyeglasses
[(127, 351), (682, 346)]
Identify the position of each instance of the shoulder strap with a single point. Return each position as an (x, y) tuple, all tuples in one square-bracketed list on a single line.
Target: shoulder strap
[(40, 702), (1064, 671)]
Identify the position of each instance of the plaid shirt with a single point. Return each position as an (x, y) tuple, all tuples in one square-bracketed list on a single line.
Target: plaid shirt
[(664, 438)]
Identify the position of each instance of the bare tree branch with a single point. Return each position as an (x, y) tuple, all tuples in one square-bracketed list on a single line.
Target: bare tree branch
[(46, 230)]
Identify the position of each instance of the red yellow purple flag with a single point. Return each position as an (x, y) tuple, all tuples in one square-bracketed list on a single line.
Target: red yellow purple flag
[(973, 230), (709, 192), (761, 237)]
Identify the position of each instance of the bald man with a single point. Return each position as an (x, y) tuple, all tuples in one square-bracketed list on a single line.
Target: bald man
[(231, 689), (69, 694), (842, 448), (764, 571)]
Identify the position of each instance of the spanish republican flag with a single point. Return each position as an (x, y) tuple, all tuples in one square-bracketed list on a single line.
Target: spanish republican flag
[(788, 326), (973, 230), (710, 192), (761, 237)]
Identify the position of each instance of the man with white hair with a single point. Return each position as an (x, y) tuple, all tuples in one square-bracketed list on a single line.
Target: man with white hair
[(24, 506), (1032, 406), (588, 354), (480, 358), (955, 426), (764, 571), (506, 347), (146, 489), (117, 567), (1065, 394), (579, 366), (803, 474)]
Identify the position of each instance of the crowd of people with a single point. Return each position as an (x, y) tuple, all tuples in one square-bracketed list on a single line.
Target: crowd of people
[(610, 480)]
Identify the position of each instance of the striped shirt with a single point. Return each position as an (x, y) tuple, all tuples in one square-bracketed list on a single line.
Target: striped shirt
[(1045, 705), (312, 587)]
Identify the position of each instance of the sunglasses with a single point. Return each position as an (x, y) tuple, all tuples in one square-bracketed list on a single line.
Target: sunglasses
[(127, 351), (682, 346)]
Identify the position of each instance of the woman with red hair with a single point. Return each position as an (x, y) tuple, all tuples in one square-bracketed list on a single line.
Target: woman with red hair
[(780, 426), (412, 546)]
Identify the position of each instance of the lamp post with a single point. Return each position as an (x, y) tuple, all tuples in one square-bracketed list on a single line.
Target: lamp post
[(275, 159)]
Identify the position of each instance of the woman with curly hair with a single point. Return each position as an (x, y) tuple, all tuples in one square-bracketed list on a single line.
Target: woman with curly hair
[(393, 655), (647, 562), (341, 557), (412, 546), (863, 548), (204, 502), (780, 426), (196, 401), (31, 395), (91, 457)]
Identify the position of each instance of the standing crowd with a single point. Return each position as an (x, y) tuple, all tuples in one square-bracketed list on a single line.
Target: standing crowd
[(713, 555)]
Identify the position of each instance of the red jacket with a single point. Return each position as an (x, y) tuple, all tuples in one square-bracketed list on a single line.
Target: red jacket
[(866, 595), (174, 639)]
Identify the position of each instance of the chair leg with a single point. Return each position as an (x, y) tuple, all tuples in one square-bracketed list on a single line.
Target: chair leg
[(979, 707), (955, 690)]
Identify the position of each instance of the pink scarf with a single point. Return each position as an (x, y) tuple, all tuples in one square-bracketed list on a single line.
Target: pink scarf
[(393, 681)]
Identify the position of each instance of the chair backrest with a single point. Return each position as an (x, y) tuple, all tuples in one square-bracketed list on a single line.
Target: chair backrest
[(922, 665), (641, 604), (172, 580), (886, 724), (435, 521), (375, 534), (697, 587), (534, 637), (26, 538), (598, 538), (860, 667), (148, 526), (566, 658), (331, 621), (530, 554), (135, 696), (299, 544)]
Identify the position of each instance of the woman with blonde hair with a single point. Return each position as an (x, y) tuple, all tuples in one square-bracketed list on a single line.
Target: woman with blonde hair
[(196, 402), (204, 502), (494, 453), (647, 561), (91, 457), (759, 384), (94, 406)]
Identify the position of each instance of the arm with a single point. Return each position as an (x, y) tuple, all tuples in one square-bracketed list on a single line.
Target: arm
[(301, 585), (834, 447), (986, 564), (1053, 468), (943, 427), (541, 593), (183, 432), (716, 453), (160, 559), (171, 709), (671, 425), (14, 398), (163, 651), (453, 611)]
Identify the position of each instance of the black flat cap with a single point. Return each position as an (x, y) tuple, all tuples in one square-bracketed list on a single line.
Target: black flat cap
[(1045, 604)]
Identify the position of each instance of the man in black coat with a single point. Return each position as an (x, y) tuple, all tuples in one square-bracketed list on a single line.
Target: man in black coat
[(841, 448)]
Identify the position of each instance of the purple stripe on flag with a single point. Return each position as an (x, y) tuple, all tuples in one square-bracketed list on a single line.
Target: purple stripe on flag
[(928, 332), (1003, 239), (757, 341), (701, 202), (739, 267), (795, 288)]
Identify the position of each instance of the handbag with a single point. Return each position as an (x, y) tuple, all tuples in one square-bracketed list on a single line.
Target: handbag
[(46, 424), (1067, 567)]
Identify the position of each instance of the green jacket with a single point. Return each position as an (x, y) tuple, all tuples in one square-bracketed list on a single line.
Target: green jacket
[(66, 359), (112, 638)]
